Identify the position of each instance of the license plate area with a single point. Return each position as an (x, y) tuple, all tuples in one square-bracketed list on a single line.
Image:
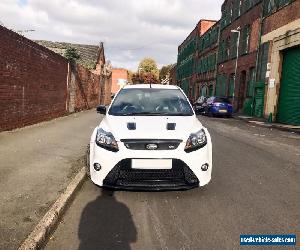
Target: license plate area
[(151, 163), (223, 111)]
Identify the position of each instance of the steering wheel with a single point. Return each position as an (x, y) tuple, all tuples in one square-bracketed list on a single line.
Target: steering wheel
[(130, 108), (161, 108)]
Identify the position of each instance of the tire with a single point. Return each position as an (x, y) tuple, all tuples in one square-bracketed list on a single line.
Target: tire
[(87, 161)]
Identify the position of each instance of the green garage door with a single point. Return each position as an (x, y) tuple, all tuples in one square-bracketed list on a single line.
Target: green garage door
[(289, 97)]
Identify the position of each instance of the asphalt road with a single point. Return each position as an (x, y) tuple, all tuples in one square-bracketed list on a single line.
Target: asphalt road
[(255, 189)]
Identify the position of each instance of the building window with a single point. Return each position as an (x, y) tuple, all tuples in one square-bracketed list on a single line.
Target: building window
[(245, 42), (210, 90), (222, 49), (231, 86), (204, 91), (227, 46), (226, 17), (236, 9), (251, 82), (233, 46), (262, 62), (240, 7), (221, 85), (281, 3), (270, 6), (246, 5), (231, 11)]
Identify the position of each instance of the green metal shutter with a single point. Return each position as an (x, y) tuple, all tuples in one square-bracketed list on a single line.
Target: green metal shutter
[(259, 100), (289, 97)]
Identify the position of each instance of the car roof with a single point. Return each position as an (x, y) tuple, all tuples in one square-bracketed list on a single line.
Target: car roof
[(154, 86)]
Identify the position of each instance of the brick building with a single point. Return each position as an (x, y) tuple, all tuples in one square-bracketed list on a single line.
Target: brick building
[(119, 79), (205, 63), (187, 52), (243, 17), (279, 60), (173, 79)]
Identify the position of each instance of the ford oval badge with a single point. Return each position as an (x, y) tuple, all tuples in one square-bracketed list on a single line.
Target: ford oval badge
[(151, 146)]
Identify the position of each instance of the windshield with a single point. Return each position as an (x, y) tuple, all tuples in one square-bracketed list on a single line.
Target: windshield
[(222, 99), (150, 102)]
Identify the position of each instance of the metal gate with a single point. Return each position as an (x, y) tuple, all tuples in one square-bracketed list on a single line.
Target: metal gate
[(259, 95), (289, 97)]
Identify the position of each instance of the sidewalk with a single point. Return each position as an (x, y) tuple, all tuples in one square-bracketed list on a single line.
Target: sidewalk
[(262, 122), (36, 165)]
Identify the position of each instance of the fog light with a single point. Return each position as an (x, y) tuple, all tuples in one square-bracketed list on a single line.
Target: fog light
[(97, 166), (204, 167)]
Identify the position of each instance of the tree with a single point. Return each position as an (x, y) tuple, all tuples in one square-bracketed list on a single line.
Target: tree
[(148, 65), (164, 71), (130, 76), (145, 78), (71, 54)]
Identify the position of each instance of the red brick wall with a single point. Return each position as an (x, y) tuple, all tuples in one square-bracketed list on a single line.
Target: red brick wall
[(32, 82), (105, 89), (107, 94), (117, 74), (35, 85), (87, 89), (282, 17)]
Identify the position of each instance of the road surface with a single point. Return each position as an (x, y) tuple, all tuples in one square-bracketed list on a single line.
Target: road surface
[(255, 189)]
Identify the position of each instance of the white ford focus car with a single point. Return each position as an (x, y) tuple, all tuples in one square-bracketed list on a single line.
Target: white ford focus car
[(150, 139)]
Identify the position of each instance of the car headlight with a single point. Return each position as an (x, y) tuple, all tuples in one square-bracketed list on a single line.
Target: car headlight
[(106, 140), (196, 141)]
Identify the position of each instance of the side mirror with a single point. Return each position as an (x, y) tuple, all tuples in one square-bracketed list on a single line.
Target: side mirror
[(101, 109), (112, 96), (198, 111)]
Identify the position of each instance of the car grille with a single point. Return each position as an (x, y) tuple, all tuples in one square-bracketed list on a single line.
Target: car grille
[(141, 144), (179, 177)]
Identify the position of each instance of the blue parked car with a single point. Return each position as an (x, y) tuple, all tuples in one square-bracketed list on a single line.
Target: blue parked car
[(218, 106)]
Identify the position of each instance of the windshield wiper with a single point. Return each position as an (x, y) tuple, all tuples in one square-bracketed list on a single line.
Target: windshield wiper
[(141, 113), (180, 114), (155, 114)]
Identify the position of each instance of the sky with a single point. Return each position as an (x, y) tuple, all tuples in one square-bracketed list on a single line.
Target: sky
[(130, 29)]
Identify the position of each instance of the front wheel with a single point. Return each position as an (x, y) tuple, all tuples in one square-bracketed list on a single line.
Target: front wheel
[(87, 161)]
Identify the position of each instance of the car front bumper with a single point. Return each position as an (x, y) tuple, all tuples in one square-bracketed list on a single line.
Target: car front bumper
[(116, 171)]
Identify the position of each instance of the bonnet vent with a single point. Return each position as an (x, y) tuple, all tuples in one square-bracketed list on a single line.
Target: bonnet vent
[(131, 125), (171, 126)]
